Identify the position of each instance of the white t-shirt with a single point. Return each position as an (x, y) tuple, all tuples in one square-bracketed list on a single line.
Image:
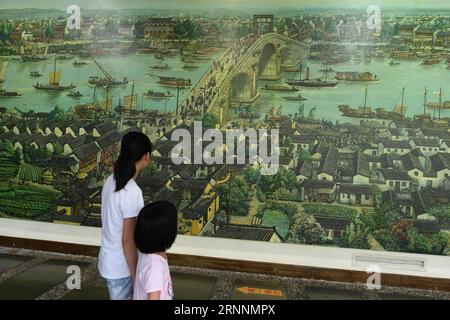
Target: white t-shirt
[(116, 206)]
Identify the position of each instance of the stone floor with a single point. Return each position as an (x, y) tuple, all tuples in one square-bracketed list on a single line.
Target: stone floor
[(27, 274)]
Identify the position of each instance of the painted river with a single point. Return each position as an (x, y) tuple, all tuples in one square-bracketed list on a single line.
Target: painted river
[(386, 92)]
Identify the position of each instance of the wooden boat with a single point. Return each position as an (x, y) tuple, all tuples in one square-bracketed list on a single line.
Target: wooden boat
[(54, 82), (173, 81), (190, 66), (77, 63), (161, 67), (356, 76), (76, 94), (106, 81), (295, 98), (279, 88), (308, 82), (430, 61), (158, 94), (394, 63), (35, 74), (8, 94), (64, 57), (364, 111)]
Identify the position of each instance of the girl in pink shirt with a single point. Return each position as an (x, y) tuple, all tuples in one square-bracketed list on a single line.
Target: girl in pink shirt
[(155, 232)]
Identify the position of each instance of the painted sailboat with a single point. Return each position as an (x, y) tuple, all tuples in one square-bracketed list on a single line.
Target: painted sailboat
[(361, 112), (314, 83), (108, 80), (54, 82), (3, 71)]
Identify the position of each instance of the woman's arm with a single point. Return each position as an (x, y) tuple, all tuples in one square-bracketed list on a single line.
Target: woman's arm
[(154, 295), (129, 247)]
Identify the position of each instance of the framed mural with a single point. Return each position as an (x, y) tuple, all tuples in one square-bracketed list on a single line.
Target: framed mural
[(352, 99)]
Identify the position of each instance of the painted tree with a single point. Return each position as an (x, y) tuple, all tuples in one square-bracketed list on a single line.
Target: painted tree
[(57, 114), (251, 175), (284, 178), (356, 235), (209, 121), (306, 230), (441, 213), (241, 194), (139, 29)]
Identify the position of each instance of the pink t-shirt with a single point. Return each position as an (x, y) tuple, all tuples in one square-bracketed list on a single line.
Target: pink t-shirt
[(152, 274)]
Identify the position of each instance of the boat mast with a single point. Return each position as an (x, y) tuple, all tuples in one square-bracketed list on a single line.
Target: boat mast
[(326, 72), (54, 71), (424, 100), (440, 103), (365, 101), (131, 99), (403, 98), (178, 95), (107, 98)]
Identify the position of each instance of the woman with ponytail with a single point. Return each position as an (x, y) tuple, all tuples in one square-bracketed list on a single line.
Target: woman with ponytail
[(121, 202)]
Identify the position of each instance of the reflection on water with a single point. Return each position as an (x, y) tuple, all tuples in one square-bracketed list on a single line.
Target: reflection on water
[(383, 93), (135, 67)]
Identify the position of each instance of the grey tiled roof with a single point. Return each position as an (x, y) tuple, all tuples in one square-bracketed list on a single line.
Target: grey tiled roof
[(245, 232)]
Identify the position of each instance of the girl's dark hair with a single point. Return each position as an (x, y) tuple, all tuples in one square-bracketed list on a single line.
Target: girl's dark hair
[(156, 227), (134, 145)]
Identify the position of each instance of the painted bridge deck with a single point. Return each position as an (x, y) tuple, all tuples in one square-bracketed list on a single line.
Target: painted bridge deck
[(29, 274)]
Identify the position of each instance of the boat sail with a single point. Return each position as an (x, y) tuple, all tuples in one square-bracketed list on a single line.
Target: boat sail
[(54, 82), (401, 109), (54, 78), (3, 71), (130, 102), (107, 104)]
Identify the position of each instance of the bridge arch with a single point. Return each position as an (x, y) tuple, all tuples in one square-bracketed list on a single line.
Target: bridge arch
[(290, 55), (269, 62), (242, 87)]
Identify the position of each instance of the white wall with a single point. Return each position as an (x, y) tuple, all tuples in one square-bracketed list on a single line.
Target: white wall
[(281, 253)]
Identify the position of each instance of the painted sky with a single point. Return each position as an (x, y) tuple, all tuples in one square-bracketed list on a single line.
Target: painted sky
[(199, 4)]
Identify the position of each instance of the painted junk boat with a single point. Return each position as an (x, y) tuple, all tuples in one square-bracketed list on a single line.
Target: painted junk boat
[(431, 61), (158, 94), (279, 88), (107, 80), (295, 98), (356, 76), (360, 112), (79, 63), (4, 93), (313, 83), (54, 82), (76, 94), (174, 81), (161, 67)]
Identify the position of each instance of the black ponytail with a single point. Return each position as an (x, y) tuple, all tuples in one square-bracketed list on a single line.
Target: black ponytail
[(133, 147)]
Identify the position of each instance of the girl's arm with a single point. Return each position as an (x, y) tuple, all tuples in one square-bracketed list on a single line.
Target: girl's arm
[(154, 295), (129, 247)]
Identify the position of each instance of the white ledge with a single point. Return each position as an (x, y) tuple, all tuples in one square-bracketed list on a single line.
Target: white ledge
[(279, 253)]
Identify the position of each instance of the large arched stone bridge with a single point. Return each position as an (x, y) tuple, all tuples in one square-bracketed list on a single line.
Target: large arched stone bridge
[(265, 59)]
